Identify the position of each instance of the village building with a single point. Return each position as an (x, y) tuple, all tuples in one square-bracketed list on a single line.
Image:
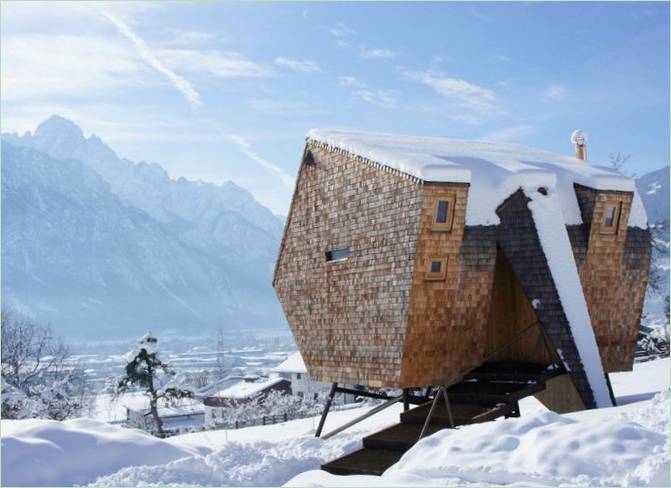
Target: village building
[(187, 416), (239, 393), (479, 271), (302, 386)]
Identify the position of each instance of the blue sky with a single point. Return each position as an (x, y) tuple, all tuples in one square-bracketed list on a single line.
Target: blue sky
[(219, 91)]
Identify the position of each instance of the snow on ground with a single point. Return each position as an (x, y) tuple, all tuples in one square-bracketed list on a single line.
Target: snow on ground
[(616, 446), (108, 408), (50, 453), (543, 449)]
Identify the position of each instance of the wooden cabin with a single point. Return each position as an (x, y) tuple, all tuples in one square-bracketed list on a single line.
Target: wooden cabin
[(410, 261)]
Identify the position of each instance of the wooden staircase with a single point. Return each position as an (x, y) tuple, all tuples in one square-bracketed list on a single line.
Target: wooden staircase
[(486, 393)]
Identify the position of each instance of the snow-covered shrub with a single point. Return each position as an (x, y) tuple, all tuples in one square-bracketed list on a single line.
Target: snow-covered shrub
[(145, 370)]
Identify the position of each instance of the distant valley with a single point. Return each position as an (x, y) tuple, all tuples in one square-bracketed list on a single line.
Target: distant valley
[(102, 247)]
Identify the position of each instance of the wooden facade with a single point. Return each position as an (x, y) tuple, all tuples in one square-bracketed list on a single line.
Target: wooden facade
[(377, 294)]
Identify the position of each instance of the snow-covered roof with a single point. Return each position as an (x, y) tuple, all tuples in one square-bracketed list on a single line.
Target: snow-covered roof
[(246, 389), (494, 170), (292, 364)]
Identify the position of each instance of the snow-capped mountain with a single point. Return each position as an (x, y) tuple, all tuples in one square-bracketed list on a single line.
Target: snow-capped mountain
[(654, 190), (100, 246)]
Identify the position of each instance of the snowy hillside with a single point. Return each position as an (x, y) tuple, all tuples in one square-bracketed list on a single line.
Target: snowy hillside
[(99, 246), (624, 445)]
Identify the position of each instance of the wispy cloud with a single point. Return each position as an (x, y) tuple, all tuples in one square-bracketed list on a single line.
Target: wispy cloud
[(510, 134), (361, 91), (213, 63), (366, 52), (461, 92), (554, 92), (298, 65), (345, 37), (381, 98), (350, 81), (502, 58), (181, 37), (339, 30), (147, 55), (36, 67), (247, 149)]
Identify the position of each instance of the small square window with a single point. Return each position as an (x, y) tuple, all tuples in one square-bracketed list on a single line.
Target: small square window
[(611, 218), (443, 214), (436, 269)]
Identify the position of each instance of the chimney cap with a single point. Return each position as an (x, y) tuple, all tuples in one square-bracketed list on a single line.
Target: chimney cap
[(579, 137)]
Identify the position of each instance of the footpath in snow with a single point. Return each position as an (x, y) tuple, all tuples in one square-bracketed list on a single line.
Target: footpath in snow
[(624, 445)]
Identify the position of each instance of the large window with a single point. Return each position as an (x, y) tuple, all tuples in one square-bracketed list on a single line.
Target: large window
[(443, 214), (611, 218)]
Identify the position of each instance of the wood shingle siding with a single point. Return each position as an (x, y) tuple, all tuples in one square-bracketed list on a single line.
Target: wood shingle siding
[(353, 276), (614, 274), (348, 316)]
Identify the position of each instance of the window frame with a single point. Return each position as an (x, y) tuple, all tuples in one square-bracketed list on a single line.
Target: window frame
[(433, 275), (446, 226), (329, 255), (614, 228)]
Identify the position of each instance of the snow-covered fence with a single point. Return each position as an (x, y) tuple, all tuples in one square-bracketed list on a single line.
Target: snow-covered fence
[(276, 418)]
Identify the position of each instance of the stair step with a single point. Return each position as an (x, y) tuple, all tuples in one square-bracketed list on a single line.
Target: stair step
[(507, 371), (462, 413), (364, 461), (492, 392), (488, 392), (399, 437)]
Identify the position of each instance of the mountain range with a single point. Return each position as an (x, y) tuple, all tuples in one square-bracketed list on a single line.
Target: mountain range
[(103, 247), (100, 246)]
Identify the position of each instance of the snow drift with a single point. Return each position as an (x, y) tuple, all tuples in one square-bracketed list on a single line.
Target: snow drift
[(50, 453), (625, 445), (542, 449)]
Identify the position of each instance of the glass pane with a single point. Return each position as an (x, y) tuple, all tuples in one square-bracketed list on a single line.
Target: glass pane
[(435, 266), (443, 207), (337, 254), (609, 218)]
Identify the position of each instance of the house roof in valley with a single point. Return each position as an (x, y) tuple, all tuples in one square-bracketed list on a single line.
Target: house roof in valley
[(493, 170), (246, 389), (293, 364)]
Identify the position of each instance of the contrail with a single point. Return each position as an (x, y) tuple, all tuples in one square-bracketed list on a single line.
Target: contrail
[(246, 148), (180, 83)]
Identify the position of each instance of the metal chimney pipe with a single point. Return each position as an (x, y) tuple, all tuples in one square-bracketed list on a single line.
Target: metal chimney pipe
[(579, 139)]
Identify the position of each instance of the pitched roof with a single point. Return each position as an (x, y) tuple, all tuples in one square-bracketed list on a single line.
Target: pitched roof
[(494, 170), (246, 389), (292, 364)]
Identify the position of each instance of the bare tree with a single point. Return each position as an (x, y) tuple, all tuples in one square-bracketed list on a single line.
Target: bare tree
[(619, 160), (38, 375), (659, 248)]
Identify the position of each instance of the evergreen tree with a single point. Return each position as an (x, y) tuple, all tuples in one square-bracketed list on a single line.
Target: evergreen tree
[(144, 369)]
